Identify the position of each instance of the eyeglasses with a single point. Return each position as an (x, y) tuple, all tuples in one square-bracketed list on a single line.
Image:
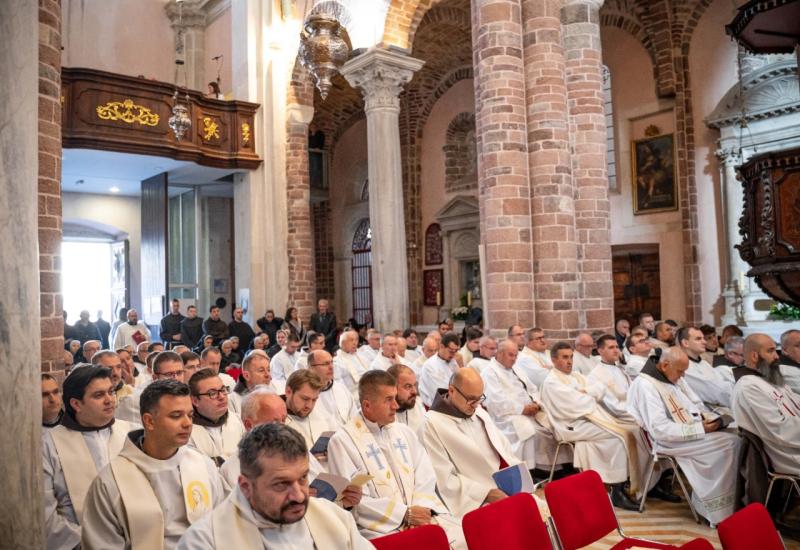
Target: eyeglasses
[(213, 394), (174, 374), (452, 350), (471, 400)]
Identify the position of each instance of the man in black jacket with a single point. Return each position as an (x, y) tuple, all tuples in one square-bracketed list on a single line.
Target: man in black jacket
[(214, 326), (191, 328), (171, 325), (270, 325), (241, 329), (324, 322)]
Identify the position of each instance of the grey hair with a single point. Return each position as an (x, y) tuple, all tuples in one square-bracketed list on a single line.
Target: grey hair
[(269, 440), (786, 335), (100, 355), (771, 371), (346, 334), (733, 342), (251, 401), (486, 339), (671, 354)]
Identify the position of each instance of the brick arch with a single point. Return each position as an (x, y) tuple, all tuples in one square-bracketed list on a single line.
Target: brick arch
[(632, 27), (460, 157), (398, 21)]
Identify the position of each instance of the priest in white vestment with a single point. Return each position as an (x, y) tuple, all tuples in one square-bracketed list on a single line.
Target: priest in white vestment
[(348, 366), (582, 360), (465, 445), (613, 376), (486, 351), (790, 359), (472, 344), (271, 506), (211, 358), (533, 358), (681, 426), (284, 363), (126, 396), (438, 369), (410, 410), (603, 443), (765, 405), (255, 372), (639, 349), (132, 333), (157, 486), (368, 351), (302, 395), (335, 400), (713, 386), (402, 491), (387, 356), (217, 430), (413, 351), (52, 402), (76, 450), (515, 405), (428, 348)]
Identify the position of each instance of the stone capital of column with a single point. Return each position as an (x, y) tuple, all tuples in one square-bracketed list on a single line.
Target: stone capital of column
[(380, 74), (189, 14), (729, 156), (299, 116)]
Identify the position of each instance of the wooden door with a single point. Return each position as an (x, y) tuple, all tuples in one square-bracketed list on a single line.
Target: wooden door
[(637, 285)]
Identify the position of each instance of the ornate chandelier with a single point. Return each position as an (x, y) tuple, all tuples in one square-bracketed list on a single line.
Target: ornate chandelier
[(180, 122), (324, 49)]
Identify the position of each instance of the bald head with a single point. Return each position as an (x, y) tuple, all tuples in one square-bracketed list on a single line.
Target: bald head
[(507, 352), (673, 363), (757, 347), (465, 391), (584, 344), (262, 406), (430, 346)]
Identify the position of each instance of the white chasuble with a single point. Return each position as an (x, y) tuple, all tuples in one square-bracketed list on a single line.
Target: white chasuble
[(583, 364), (414, 418), (218, 442), (536, 365), (142, 503), (435, 375), (336, 404), (348, 368), (617, 382), (772, 413), (710, 384), (312, 426), (283, 365)]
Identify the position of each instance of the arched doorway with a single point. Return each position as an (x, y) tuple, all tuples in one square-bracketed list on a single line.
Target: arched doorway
[(361, 267)]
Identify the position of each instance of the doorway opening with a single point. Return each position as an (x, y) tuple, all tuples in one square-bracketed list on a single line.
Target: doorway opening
[(86, 279), (362, 273), (637, 281)]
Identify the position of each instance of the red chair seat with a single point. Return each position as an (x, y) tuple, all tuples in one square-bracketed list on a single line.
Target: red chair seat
[(749, 528), (429, 537), (630, 543), (513, 523)]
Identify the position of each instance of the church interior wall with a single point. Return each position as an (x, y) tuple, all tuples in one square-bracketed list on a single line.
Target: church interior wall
[(219, 42), (118, 211), (711, 77), (636, 106), (129, 37), (215, 276), (458, 99)]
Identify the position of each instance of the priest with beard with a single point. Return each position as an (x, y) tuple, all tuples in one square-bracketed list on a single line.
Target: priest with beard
[(271, 506), (790, 359), (216, 431), (765, 405), (335, 400), (73, 452), (410, 410), (402, 493), (680, 424), (157, 486), (132, 333), (302, 394)]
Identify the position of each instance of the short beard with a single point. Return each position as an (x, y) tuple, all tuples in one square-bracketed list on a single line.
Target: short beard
[(406, 404), (280, 521), (770, 371)]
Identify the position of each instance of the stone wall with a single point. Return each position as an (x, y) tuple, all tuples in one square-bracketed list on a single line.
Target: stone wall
[(460, 160)]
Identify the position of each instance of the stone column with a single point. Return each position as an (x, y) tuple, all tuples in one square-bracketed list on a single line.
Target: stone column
[(502, 146), (733, 201), (300, 239), (188, 20), (380, 75), (580, 21), (555, 268), (21, 516)]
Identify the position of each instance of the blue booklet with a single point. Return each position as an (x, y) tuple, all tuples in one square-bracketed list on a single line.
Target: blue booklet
[(324, 489), (321, 444), (514, 479)]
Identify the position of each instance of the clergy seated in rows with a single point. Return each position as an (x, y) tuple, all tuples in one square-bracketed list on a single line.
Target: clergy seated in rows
[(622, 329), (610, 446), (271, 507), (370, 350), (639, 350), (437, 370), (166, 365), (76, 450), (713, 386), (663, 336), (191, 364), (280, 341), (583, 360), (348, 366), (487, 349), (790, 359), (471, 345), (402, 349), (127, 408), (648, 322), (284, 363), (211, 358), (128, 366), (156, 486), (712, 343), (465, 445), (680, 425), (262, 406), (402, 493), (52, 403), (733, 353), (387, 356), (315, 341), (766, 406), (255, 372), (533, 358), (134, 332), (514, 403), (302, 393), (610, 374), (410, 410), (428, 349), (89, 348), (413, 351), (216, 430), (637, 331), (335, 402)]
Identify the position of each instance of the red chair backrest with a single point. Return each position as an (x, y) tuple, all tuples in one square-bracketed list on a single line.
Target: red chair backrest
[(697, 544), (580, 508), (513, 523), (751, 527), (430, 537)]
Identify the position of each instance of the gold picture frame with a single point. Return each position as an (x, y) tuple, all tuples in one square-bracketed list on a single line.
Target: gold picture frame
[(655, 188)]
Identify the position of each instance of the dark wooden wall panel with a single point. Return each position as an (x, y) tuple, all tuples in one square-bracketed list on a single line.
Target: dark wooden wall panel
[(154, 248)]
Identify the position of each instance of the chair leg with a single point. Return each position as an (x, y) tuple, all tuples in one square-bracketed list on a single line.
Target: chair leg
[(555, 458), (686, 493), (647, 483), (769, 490)]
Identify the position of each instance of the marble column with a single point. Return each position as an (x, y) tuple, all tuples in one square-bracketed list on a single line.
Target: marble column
[(580, 21), (188, 21), (733, 204), (21, 516), (380, 75)]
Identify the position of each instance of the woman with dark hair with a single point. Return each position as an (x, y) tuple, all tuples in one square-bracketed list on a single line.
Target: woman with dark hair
[(293, 323), (213, 90)]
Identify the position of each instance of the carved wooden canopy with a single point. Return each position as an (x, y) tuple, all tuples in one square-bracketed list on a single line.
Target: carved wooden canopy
[(121, 113)]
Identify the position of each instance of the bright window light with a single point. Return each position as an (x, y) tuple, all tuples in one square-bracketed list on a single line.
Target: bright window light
[(86, 279)]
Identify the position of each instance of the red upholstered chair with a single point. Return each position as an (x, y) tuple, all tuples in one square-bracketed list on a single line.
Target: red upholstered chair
[(513, 523), (697, 544), (751, 527), (429, 537), (582, 513)]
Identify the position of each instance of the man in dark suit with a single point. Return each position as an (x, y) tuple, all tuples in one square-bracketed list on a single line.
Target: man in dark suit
[(324, 322)]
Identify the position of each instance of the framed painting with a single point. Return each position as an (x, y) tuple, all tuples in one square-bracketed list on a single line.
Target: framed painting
[(653, 167), (433, 286)]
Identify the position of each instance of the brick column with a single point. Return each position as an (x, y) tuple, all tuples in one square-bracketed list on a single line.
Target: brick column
[(502, 148), (555, 264), (581, 38), (52, 322), (300, 238)]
